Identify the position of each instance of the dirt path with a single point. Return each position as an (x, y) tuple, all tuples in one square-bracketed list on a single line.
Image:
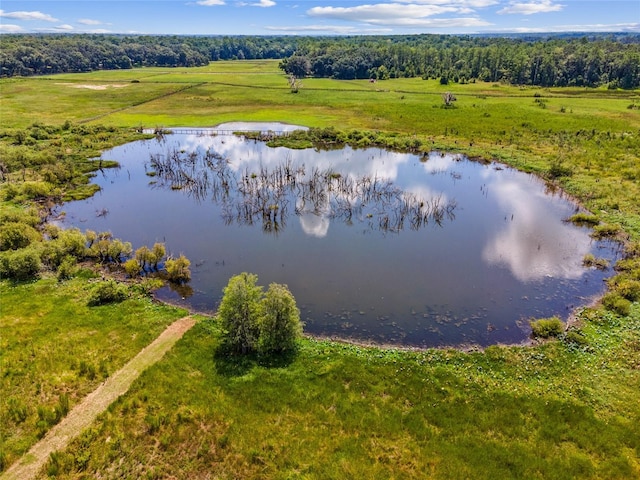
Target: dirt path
[(83, 414)]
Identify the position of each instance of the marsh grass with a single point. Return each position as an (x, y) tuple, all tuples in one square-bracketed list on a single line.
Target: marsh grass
[(55, 350), (565, 409), (342, 411)]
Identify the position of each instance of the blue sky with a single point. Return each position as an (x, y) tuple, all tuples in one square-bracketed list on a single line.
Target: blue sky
[(316, 17)]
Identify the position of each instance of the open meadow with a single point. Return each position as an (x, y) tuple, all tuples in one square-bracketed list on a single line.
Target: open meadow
[(560, 409)]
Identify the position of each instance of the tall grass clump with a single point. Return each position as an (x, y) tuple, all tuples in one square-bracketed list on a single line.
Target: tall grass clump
[(546, 327), (108, 291)]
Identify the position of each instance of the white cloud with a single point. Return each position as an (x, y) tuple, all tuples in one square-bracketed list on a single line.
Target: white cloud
[(56, 29), (459, 3), (404, 14), (11, 28), (598, 27), (440, 22), (28, 16), (210, 3), (529, 8), (401, 15), (88, 21), (337, 29), (381, 13), (261, 3)]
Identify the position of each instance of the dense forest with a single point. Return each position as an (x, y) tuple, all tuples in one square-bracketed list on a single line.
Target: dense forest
[(25, 55), (587, 60)]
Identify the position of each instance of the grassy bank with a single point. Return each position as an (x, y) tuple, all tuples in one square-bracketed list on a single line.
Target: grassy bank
[(341, 411), (56, 349), (564, 409)]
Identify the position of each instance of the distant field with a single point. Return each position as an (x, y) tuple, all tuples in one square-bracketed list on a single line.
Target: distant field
[(561, 410), (245, 88)]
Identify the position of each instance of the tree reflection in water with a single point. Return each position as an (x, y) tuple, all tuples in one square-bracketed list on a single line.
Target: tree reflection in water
[(266, 195)]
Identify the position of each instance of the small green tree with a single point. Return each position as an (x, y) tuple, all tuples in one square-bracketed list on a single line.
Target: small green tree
[(132, 267), (143, 255), (178, 269), (157, 254), (119, 250), (67, 268), (279, 321), (238, 312), (100, 246), (90, 237)]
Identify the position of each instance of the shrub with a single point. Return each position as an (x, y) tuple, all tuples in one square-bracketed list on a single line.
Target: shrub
[(576, 338), (148, 285), (65, 243), (605, 231), (132, 267), (30, 216), (67, 268), (18, 411), (178, 269), (279, 321), (108, 291), (627, 288), (615, 303), (558, 169), (15, 235), (30, 190), (20, 264), (590, 260), (546, 327), (73, 242), (584, 219)]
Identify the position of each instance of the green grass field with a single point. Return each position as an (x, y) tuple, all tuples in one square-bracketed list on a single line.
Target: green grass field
[(565, 409), (54, 345)]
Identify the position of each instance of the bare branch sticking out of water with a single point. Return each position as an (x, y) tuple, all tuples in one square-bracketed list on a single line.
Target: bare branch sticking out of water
[(263, 196)]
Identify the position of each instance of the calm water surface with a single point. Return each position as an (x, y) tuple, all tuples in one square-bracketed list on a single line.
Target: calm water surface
[(375, 245)]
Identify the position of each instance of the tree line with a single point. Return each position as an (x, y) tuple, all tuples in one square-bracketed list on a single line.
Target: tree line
[(554, 60), (25, 55), (541, 61)]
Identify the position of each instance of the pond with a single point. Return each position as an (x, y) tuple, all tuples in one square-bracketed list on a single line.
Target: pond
[(376, 246)]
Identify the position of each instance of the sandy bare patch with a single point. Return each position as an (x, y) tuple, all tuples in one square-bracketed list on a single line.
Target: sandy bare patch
[(96, 87)]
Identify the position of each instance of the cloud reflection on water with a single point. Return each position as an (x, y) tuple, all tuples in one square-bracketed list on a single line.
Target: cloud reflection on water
[(380, 166), (528, 244)]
